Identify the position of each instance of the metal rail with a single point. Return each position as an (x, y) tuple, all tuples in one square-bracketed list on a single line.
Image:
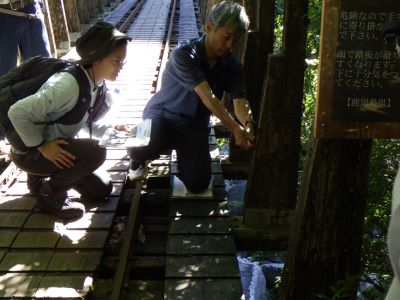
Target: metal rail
[(167, 46), (128, 22), (121, 275), (123, 264)]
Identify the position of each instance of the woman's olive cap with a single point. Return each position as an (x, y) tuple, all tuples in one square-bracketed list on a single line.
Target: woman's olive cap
[(98, 41)]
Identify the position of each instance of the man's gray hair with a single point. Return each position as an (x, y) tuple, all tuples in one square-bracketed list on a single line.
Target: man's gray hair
[(230, 14)]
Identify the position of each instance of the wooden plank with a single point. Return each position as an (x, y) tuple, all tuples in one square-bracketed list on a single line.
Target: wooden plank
[(12, 219), (36, 239), (83, 239), (41, 220), (202, 267), (109, 205), (31, 260), (215, 225), (210, 289), (117, 189), (154, 244), (74, 286), (75, 261), (200, 244), (138, 289), (116, 165), (18, 188), (117, 176), (145, 290), (22, 285), (117, 154), (7, 237), (92, 221), (193, 208), (25, 202), (138, 262)]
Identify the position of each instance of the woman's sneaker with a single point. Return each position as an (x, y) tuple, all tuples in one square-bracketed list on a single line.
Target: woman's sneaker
[(138, 173), (58, 204)]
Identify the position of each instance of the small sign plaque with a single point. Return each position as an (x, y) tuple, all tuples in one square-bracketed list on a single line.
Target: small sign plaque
[(359, 75)]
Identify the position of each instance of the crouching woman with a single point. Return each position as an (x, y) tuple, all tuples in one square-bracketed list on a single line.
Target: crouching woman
[(56, 160)]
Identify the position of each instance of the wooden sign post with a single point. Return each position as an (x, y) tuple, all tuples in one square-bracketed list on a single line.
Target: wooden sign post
[(359, 75)]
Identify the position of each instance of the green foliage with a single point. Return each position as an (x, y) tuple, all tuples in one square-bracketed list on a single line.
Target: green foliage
[(341, 290), (278, 28), (383, 167), (377, 288), (222, 142), (310, 79)]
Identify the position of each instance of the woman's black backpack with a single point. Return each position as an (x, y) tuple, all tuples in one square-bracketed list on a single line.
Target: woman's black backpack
[(27, 78)]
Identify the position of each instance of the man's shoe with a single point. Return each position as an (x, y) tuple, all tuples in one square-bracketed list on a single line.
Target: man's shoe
[(58, 204), (139, 173), (34, 182)]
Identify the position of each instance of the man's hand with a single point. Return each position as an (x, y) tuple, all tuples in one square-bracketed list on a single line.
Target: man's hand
[(250, 130), (122, 127), (56, 154), (243, 139)]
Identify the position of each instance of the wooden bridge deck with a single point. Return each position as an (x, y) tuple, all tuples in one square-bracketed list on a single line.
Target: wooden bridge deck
[(41, 257)]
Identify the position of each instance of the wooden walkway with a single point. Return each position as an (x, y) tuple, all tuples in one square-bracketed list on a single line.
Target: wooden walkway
[(41, 257)]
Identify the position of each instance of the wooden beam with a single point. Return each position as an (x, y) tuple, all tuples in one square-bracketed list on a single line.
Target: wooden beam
[(49, 28), (71, 13), (272, 181), (235, 170), (59, 24), (250, 239)]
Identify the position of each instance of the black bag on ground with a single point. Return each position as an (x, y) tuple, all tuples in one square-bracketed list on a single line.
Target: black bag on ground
[(26, 80)]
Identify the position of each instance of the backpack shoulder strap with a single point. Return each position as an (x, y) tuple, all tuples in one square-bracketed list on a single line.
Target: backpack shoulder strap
[(83, 103)]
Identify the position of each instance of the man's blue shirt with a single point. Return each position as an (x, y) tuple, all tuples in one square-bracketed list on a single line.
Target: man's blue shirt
[(186, 68)]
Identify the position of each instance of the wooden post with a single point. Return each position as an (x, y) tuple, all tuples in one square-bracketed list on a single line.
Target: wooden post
[(100, 8), (272, 187), (59, 24), (325, 243), (83, 11), (71, 14), (259, 44), (49, 28), (92, 8)]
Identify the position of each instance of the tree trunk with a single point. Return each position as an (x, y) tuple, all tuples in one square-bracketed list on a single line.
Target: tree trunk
[(83, 11), (326, 238), (49, 28), (71, 13), (59, 23)]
